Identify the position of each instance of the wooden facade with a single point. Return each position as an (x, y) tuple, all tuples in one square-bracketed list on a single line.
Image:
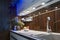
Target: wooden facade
[(40, 22)]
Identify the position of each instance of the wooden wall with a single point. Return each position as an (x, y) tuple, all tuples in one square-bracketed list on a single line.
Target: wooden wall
[(57, 20), (40, 22)]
